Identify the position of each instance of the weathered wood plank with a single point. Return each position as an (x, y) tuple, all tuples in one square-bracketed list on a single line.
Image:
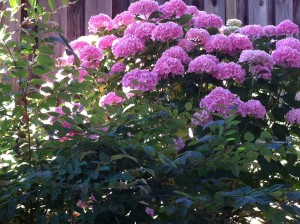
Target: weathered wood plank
[(296, 14), (242, 11), (76, 20), (119, 6), (231, 9), (199, 4), (96, 7), (215, 6), (283, 10), (258, 11)]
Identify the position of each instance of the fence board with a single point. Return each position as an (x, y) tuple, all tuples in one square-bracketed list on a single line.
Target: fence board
[(296, 13), (119, 6), (283, 10), (242, 11), (258, 11), (231, 9), (216, 7)]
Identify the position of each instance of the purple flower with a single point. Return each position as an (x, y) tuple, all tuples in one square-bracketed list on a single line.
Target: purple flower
[(229, 70), (203, 64), (293, 116), (287, 27), (166, 66), (179, 53), (167, 31), (97, 22), (127, 46), (143, 7)]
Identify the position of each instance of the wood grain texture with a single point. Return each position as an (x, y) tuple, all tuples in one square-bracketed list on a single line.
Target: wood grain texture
[(283, 10), (216, 7), (76, 20), (231, 9), (96, 7), (258, 11), (296, 14), (242, 11), (199, 4), (119, 6)]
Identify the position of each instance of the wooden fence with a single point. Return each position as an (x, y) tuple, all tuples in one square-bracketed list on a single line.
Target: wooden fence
[(74, 19)]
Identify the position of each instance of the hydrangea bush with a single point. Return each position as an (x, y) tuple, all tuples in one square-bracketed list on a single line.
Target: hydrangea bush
[(163, 115)]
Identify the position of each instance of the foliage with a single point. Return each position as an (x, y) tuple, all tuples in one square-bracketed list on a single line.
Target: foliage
[(83, 149)]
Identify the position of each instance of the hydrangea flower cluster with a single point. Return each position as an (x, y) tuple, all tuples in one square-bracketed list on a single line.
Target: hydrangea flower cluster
[(230, 70), (199, 36), (205, 20), (218, 43), (168, 65), (143, 7), (293, 116), (221, 101), (140, 30), (106, 41), (203, 64), (252, 108), (287, 57), (201, 118), (110, 99), (140, 79), (173, 7), (287, 27), (127, 46), (257, 57), (167, 31), (252, 31), (179, 53), (239, 43), (98, 21)]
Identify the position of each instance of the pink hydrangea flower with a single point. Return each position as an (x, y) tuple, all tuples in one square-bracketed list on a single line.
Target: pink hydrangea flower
[(82, 73), (78, 45), (105, 42), (201, 118), (207, 20), (230, 70), (260, 71), (198, 35), (150, 211), (257, 57), (287, 57), (90, 53), (65, 60), (187, 45), (97, 22), (252, 31), (167, 31), (203, 64), (110, 99), (252, 108), (123, 19), (81, 204), (168, 65), (297, 96), (59, 111), (66, 124), (143, 7), (127, 46), (270, 30), (173, 7), (193, 10), (221, 101), (287, 27), (218, 42), (239, 43), (289, 42), (293, 116), (179, 142), (118, 67), (141, 30), (140, 79), (179, 53)]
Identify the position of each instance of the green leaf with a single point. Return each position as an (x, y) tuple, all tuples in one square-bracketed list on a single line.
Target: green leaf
[(15, 3), (45, 60), (51, 4), (117, 157), (155, 14), (37, 82), (249, 137), (32, 3), (188, 106), (64, 2), (185, 19)]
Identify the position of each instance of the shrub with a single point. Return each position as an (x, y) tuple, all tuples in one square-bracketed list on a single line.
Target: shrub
[(162, 115)]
